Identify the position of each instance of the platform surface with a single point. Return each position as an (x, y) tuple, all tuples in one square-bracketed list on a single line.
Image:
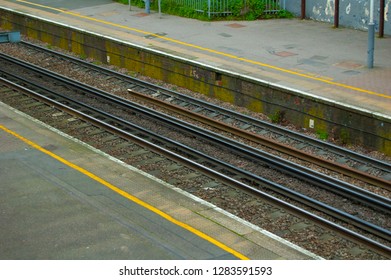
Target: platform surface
[(305, 55)]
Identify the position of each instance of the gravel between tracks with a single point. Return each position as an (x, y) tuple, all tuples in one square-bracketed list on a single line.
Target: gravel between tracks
[(246, 211)]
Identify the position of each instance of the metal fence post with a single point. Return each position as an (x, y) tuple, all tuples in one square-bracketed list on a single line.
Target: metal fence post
[(371, 36), (303, 8), (147, 6), (336, 14), (209, 9), (381, 19)]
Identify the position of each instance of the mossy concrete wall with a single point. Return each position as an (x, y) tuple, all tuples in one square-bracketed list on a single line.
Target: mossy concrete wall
[(349, 125)]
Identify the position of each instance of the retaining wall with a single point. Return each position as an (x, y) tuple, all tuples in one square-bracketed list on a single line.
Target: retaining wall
[(334, 120)]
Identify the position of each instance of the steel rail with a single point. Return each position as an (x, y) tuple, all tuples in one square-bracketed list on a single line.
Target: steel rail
[(122, 132), (335, 166), (368, 161), (285, 166), (288, 167)]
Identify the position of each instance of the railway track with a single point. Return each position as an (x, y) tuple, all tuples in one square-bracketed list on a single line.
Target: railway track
[(216, 171), (321, 153), (360, 167)]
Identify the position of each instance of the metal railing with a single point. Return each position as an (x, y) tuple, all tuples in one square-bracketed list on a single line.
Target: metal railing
[(211, 7), (222, 7), (274, 6)]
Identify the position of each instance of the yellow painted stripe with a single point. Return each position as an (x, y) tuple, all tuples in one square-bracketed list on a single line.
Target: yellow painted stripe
[(319, 79), (128, 196)]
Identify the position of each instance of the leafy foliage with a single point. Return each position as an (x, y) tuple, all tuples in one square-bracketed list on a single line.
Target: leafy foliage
[(240, 9)]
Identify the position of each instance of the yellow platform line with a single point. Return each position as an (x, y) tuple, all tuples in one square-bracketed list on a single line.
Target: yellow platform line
[(280, 69), (127, 195)]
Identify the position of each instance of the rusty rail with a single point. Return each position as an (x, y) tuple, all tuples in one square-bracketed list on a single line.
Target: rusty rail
[(331, 165)]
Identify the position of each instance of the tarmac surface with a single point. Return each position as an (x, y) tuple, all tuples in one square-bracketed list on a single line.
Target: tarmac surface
[(305, 55)]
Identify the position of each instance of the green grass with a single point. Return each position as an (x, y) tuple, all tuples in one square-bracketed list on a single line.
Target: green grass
[(277, 117), (322, 135)]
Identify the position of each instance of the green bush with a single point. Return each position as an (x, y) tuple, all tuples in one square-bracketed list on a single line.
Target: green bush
[(256, 9), (245, 10)]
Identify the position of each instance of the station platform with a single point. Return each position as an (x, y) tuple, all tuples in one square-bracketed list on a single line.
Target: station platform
[(63, 200), (304, 55)]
